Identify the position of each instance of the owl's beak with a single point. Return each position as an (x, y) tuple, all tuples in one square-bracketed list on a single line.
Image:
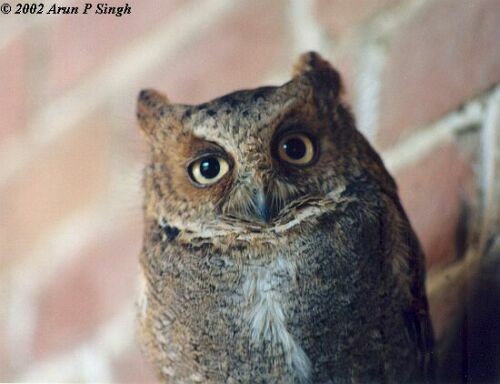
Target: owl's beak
[(262, 206)]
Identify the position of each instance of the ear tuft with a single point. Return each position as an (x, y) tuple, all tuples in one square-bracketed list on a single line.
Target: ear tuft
[(150, 100), (150, 95), (320, 71), (308, 62), (151, 107)]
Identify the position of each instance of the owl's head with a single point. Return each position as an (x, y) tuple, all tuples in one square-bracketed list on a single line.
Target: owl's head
[(253, 154)]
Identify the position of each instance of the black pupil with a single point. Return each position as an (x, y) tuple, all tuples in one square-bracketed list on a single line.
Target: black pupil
[(209, 167), (295, 148)]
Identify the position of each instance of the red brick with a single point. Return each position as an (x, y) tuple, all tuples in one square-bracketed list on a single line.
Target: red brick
[(431, 192), (240, 51), (13, 59), (132, 367), (445, 55), (99, 282), (71, 172), (340, 17), (77, 44)]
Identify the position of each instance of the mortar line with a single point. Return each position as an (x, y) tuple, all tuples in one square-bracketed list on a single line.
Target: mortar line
[(424, 141), (304, 28), (389, 21), (490, 164), (367, 89)]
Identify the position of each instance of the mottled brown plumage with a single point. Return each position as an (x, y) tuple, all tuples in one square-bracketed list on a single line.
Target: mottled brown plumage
[(283, 267)]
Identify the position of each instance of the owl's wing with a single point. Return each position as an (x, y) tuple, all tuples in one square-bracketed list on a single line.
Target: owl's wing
[(408, 258)]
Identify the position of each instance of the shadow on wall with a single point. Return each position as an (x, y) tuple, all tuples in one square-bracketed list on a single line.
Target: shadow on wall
[(473, 355)]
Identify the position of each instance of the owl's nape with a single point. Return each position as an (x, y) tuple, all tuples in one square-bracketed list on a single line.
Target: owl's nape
[(275, 245)]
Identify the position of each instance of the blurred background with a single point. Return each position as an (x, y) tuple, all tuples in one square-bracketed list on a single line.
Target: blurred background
[(422, 77)]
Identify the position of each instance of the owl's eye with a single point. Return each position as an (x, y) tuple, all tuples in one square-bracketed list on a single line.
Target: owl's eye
[(296, 148), (208, 170)]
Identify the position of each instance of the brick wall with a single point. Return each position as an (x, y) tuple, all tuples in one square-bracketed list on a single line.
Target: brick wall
[(422, 76)]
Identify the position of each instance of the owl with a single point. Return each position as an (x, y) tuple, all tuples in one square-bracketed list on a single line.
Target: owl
[(275, 248)]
